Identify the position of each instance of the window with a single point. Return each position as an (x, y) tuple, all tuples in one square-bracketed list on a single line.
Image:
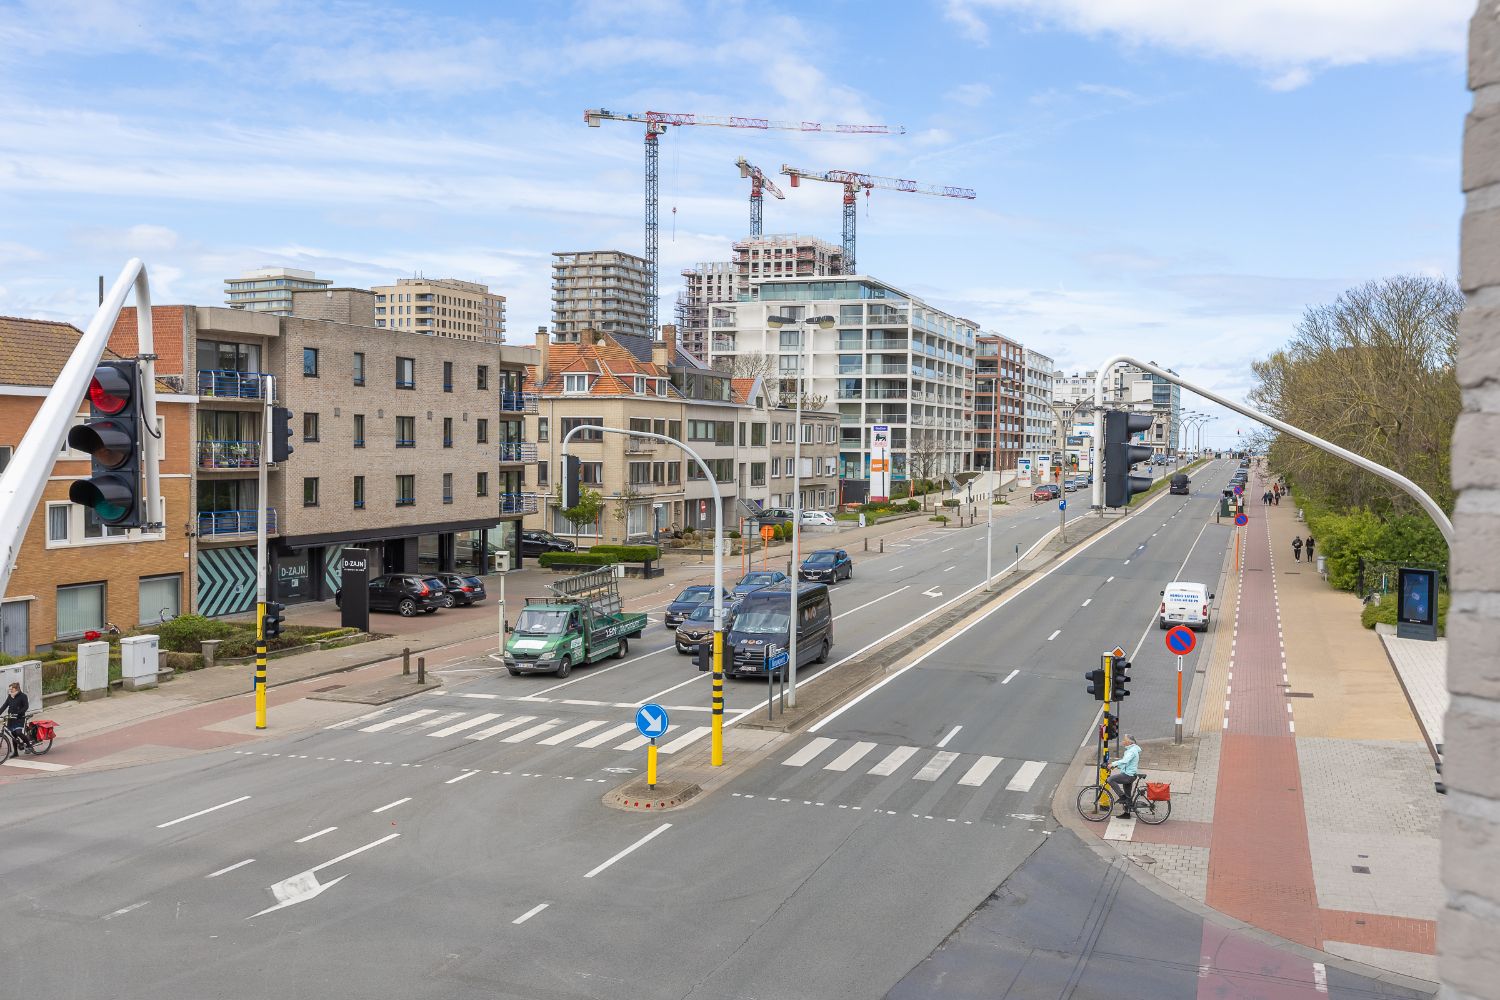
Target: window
[(722, 468), (359, 492), (776, 433), (160, 598), (591, 473), (482, 430), (227, 356), (406, 432), (447, 376), (310, 491), (757, 473), (674, 473), (640, 473), (576, 384), (58, 518), (807, 430), (80, 609), (447, 432), (674, 429), (406, 491), (758, 435), (482, 484), (568, 423), (640, 385), (359, 367), (359, 430), (447, 487), (406, 373), (717, 431), (541, 430), (775, 468), (310, 362), (744, 434), (309, 426), (5, 453), (541, 475), (483, 379)]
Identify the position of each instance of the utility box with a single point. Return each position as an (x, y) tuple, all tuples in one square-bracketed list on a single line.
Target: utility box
[(139, 661), (28, 674), (502, 561), (1224, 507), (93, 670)]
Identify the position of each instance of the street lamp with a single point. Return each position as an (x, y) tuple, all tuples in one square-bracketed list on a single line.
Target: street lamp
[(989, 532), (776, 323)]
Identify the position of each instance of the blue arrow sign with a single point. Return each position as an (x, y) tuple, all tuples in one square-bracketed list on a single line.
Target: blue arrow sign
[(651, 720)]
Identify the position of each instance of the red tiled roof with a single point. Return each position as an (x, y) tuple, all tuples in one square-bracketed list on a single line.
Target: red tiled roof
[(743, 388), (612, 366)]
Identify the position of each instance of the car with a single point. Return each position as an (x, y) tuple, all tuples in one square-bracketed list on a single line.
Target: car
[(1069, 486), (1179, 484), (1046, 491), (826, 566), (535, 541), (775, 515), (403, 593), (1185, 603), (685, 603), (465, 590), (818, 519), (755, 580), (698, 627)]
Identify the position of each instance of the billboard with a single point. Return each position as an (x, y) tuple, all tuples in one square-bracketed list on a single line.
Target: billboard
[(1023, 472), (880, 462)]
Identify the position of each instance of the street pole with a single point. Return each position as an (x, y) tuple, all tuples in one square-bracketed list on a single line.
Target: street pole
[(1179, 698), (268, 396)]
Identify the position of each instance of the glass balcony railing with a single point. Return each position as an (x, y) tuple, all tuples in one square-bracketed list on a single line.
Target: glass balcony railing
[(229, 384), (228, 454), (518, 503), (233, 522), (517, 451)]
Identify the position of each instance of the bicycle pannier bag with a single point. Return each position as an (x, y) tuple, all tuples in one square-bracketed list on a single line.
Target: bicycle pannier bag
[(1158, 791)]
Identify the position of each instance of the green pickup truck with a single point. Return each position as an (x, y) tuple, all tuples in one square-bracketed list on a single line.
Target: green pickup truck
[(583, 622)]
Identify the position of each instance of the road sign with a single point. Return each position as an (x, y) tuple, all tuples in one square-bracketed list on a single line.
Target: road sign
[(651, 720), (1118, 652), (1241, 520), (1062, 505), (778, 659), (1239, 491), (1181, 640)]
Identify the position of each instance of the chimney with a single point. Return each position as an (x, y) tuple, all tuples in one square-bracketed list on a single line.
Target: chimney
[(542, 344), (667, 345)]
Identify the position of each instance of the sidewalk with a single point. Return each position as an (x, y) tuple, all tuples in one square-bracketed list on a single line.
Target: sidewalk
[(1310, 812)]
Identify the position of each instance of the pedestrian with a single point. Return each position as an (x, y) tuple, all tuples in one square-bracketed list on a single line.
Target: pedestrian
[(1297, 548), (1122, 771), (1277, 499), (1310, 543)]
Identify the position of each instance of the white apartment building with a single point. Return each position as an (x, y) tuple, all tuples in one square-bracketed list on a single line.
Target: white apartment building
[(442, 307), (607, 291), (1039, 439), (269, 289)]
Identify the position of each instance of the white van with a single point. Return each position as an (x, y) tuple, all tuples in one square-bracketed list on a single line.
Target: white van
[(1185, 603)]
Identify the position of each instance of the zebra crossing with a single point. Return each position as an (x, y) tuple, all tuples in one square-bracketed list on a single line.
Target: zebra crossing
[(590, 734), (815, 755)]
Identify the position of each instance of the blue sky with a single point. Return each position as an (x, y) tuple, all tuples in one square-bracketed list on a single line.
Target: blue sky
[(1160, 177)]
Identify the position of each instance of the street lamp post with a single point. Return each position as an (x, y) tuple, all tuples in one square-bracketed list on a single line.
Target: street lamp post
[(989, 530), (822, 323)]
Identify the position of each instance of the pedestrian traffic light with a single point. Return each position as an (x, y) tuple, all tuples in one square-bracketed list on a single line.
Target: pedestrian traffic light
[(1095, 678), (1120, 455), (281, 433), (1119, 679), (112, 439), (570, 481), (1111, 727), (274, 619)]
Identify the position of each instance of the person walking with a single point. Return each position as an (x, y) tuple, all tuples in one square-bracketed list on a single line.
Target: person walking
[(1297, 548), (1310, 543)]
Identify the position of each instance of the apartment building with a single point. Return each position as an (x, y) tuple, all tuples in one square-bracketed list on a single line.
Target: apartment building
[(891, 360), (603, 291), (74, 574), (269, 289), (819, 453), (1133, 388), (999, 402), (407, 444), (1039, 418), (442, 307)]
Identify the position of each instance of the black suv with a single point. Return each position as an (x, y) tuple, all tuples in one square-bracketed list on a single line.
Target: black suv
[(403, 593), (535, 541), (464, 590)]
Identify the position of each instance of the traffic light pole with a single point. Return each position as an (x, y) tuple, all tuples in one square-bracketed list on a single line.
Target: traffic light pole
[(261, 569)]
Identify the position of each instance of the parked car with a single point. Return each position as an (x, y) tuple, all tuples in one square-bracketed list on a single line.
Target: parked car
[(465, 590), (1069, 486), (827, 566), (775, 515), (756, 580), (818, 519), (685, 603), (535, 541), (1046, 491), (403, 593), (1185, 603), (698, 627)]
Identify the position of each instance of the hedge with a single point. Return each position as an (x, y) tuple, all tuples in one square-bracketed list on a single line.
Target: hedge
[(628, 553), (1385, 612), (549, 559), (185, 633), (950, 503)]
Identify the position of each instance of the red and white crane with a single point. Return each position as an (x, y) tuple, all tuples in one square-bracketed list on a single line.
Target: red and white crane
[(854, 182), (759, 182), (657, 122)]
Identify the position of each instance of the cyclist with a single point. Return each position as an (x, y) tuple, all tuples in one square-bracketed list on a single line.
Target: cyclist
[(14, 711), (1122, 772)]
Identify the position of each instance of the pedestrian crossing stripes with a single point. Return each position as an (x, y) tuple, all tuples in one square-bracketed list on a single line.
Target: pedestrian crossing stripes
[(975, 775), (590, 734)]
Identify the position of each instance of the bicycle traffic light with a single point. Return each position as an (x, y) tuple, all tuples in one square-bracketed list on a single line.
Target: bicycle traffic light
[(570, 479), (1120, 455), (274, 619), (112, 439), (1111, 727), (1095, 678), (1119, 679), (281, 433)]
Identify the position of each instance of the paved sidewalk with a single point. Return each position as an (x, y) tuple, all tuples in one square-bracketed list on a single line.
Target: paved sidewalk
[(1311, 813), (1422, 668)]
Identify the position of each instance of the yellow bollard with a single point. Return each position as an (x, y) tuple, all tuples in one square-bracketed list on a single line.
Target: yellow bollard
[(260, 665), (716, 755), (651, 766)]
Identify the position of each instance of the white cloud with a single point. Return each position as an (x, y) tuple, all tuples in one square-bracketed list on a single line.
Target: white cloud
[(1297, 76), (970, 95)]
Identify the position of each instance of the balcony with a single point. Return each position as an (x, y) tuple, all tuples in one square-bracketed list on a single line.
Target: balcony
[(227, 384), (219, 523), (517, 451), (888, 344), (639, 445), (517, 402), (228, 454), (518, 503)]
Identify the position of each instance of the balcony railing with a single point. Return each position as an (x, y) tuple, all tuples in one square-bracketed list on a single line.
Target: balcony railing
[(233, 522), (231, 384), (517, 402), (518, 503), (228, 454), (517, 451), (639, 445)]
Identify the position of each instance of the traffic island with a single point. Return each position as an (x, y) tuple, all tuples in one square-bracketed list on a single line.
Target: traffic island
[(637, 796), (690, 775), (378, 691)]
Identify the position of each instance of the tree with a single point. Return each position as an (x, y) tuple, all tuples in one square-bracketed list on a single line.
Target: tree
[(628, 495), (590, 506), (924, 450), (781, 393)]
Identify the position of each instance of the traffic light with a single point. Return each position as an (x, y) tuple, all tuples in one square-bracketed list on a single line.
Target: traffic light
[(1120, 455), (274, 619), (1120, 679), (281, 433), (1111, 727), (112, 439), (705, 656), (570, 481), (1095, 678)]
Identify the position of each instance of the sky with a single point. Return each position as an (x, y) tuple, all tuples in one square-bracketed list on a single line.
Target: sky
[(1170, 179)]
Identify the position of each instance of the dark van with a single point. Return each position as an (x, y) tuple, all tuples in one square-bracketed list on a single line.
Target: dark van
[(760, 623), (1180, 483)]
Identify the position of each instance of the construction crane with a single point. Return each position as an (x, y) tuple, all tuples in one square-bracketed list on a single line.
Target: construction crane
[(854, 182), (758, 182), (657, 122)]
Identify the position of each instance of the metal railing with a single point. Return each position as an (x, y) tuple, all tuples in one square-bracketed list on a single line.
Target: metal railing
[(518, 503), (225, 383), (228, 454), (517, 402), (233, 522), (517, 451)]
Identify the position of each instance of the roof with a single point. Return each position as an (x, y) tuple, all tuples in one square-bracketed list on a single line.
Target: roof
[(743, 388), (612, 366), (34, 351)]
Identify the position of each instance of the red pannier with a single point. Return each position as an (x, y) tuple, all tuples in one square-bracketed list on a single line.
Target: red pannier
[(1158, 791), (43, 729)]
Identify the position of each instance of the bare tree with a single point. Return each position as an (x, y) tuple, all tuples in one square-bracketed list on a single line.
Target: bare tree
[(781, 392), (924, 450)]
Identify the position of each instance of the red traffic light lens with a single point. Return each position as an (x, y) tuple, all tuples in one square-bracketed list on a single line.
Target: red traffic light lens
[(109, 391)]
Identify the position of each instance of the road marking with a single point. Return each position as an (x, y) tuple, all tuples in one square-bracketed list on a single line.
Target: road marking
[(690, 737), (641, 741), (201, 812), (606, 736), (445, 717), (237, 864), (380, 727), (485, 734), (126, 909), (948, 549), (950, 569), (391, 805), (638, 844), (892, 760), (1026, 776), (536, 730), (1086, 603), (934, 768), (358, 719), (808, 752), (932, 592), (849, 757), (305, 885), (37, 765), (944, 741), (568, 734), (538, 908), (981, 770), (1110, 580), (1127, 562), (479, 696), (461, 777), (478, 720), (1010, 676), (1320, 977), (1120, 828), (303, 840), (1054, 635)]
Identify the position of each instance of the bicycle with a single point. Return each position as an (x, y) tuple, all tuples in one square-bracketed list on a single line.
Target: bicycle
[(35, 738), (1096, 803)]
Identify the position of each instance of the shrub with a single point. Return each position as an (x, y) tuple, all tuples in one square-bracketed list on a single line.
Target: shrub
[(689, 530), (732, 533), (330, 634), (1385, 612), (549, 559), (950, 503), (6, 661), (912, 505), (940, 518), (184, 633)]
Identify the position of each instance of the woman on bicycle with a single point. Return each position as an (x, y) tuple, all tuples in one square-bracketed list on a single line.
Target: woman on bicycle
[(14, 710), (1122, 771)]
